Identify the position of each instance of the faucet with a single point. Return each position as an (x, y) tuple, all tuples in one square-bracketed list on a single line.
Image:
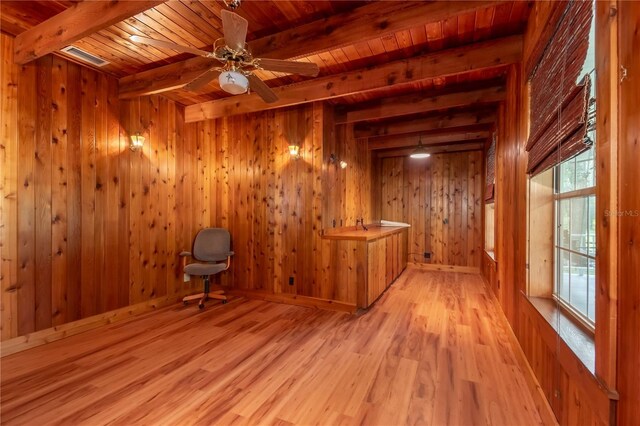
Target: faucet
[(361, 222)]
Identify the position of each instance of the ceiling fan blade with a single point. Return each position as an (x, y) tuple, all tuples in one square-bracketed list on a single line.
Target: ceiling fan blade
[(262, 89), (168, 45), (291, 67), (234, 28), (202, 80)]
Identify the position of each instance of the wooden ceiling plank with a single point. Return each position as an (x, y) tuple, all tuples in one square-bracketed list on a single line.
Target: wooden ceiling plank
[(413, 104), (183, 15), (339, 30), (162, 23), (118, 35), (427, 140), (454, 147), (76, 22), (453, 61), (425, 124)]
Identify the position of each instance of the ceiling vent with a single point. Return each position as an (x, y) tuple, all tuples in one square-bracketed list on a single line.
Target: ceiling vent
[(84, 56)]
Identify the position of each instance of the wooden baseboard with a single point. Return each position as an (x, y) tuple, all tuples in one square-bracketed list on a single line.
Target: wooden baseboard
[(48, 335), (293, 299), (446, 268), (539, 398)]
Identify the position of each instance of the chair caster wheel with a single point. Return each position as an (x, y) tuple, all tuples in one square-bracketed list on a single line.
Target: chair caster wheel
[(224, 301), (201, 305)]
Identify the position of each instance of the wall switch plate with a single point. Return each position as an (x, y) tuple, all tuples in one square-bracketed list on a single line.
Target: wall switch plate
[(186, 278)]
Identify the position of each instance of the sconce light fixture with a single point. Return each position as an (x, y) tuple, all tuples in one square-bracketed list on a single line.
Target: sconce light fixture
[(137, 142), (420, 151), (334, 160), (294, 150)]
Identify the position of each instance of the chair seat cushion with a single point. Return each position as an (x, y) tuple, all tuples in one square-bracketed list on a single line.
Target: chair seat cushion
[(204, 268)]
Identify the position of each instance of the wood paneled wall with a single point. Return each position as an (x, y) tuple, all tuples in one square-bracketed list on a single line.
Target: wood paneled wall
[(441, 198), (88, 225), (628, 291), (574, 393), (276, 206)]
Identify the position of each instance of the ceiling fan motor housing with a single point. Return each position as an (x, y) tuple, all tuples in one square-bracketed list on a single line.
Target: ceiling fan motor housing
[(233, 82)]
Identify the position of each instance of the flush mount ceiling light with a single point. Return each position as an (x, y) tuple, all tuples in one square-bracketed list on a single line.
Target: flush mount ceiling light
[(420, 151), (233, 82)]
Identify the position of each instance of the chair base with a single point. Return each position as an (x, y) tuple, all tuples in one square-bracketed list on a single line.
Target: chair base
[(206, 295)]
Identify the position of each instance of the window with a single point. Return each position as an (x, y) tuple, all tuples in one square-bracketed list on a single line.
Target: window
[(575, 237)]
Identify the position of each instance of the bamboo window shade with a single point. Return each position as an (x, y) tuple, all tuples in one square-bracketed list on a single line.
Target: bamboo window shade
[(559, 105), (491, 172)]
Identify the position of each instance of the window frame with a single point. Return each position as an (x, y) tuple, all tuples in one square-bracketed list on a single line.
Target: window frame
[(582, 193)]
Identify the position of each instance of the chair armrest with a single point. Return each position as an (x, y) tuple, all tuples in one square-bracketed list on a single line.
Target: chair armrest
[(184, 253)]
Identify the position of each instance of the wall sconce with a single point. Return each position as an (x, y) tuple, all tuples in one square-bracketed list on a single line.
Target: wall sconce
[(334, 160), (294, 150), (137, 142)]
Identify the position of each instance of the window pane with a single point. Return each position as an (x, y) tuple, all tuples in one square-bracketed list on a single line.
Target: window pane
[(579, 219), (567, 175), (585, 170), (564, 277), (564, 218), (578, 285), (591, 291), (592, 226)]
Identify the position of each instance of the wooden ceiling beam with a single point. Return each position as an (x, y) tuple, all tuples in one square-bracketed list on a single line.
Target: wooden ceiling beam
[(414, 104), (425, 124), (455, 147), (373, 20), (473, 57), (78, 21), (427, 140)]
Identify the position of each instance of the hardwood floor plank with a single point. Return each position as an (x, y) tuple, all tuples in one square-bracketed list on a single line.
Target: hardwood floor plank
[(432, 350)]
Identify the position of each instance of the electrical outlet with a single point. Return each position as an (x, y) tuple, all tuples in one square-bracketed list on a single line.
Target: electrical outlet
[(427, 255), (290, 280), (186, 278)]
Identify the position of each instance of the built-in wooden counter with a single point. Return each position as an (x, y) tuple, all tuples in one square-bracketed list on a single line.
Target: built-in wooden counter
[(365, 263), (372, 233)]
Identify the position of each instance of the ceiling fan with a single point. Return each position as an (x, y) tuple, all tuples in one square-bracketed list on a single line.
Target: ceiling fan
[(236, 74)]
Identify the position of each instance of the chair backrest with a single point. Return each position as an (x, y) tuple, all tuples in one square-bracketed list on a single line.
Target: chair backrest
[(212, 245)]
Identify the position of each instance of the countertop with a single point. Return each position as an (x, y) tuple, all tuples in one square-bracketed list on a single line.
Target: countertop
[(373, 233)]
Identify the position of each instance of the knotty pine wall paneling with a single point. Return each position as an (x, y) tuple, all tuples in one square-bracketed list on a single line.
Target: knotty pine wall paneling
[(441, 199), (575, 394), (89, 226), (276, 206), (629, 223)]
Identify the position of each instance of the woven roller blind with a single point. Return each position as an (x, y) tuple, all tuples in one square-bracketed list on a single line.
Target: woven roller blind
[(491, 172), (559, 106)]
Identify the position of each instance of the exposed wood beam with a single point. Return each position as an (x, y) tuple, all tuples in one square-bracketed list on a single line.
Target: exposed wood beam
[(456, 147), (375, 20), (78, 21), (428, 140), (460, 60), (413, 104), (425, 124)]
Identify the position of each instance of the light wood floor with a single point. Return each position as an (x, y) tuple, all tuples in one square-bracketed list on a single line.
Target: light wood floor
[(433, 350)]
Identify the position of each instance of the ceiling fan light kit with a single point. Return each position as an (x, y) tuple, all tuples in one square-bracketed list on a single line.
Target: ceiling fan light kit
[(233, 82), (237, 73)]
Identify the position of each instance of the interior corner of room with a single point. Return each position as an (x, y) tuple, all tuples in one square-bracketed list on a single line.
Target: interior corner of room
[(222, 212)]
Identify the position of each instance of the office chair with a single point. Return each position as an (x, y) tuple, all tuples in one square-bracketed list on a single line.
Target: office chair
[(211, 246)]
